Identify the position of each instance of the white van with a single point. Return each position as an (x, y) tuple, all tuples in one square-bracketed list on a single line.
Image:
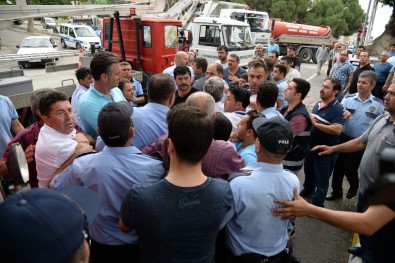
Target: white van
[(78, 36)]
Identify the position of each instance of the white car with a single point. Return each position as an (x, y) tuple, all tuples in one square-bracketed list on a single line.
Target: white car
[(36, 46)]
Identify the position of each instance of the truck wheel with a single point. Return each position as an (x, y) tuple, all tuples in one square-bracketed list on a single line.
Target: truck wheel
[(305, 55), (314, 59), (63, 43)]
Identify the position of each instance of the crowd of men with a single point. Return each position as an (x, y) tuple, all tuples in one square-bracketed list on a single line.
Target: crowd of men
[(189, 171)]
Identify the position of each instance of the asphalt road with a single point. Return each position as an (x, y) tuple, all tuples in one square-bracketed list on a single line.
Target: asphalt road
[(314, 241)]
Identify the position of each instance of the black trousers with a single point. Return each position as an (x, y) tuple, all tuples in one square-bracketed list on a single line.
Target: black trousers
[(121, 254), (329, 67), (346, 164)]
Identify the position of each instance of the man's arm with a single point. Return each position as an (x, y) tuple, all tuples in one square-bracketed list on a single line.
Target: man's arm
[(333, 129), (388, 81), (16, 126), (354, 145), (79, 149), (347, 88), (367, 223)]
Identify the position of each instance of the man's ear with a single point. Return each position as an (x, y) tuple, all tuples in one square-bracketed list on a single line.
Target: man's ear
[(258, 146), (170, 147), (131, 132)]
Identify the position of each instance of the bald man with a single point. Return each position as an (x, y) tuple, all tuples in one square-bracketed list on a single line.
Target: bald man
[(180, 59)]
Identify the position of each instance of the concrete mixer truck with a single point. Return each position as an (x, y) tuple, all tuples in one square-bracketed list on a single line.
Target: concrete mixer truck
[(307, 39)]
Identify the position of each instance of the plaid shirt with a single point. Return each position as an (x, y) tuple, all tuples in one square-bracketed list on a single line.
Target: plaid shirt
[(220, 161), (28, 136), (342, 72)]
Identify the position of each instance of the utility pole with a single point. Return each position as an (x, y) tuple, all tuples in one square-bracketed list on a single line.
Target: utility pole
[(361, 41), (372, 18)]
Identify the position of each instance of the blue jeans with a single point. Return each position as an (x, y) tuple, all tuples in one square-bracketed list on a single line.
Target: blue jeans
[(317, 170)]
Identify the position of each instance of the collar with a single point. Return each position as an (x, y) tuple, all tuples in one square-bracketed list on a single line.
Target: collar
[(82, 87), (154, 105), (122, 150), (264, 167), (281, 81), (270, 109), (332, 103), (357, 97), (71, 135)]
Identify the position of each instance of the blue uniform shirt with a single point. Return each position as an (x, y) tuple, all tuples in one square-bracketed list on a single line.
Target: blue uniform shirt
[(149, 123), (253, 229), (7, 115), (111, 173), (363, 113), (271, 112), (138, 91)]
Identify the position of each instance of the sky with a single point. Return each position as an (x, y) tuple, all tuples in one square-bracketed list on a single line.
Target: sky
[(383, 15)]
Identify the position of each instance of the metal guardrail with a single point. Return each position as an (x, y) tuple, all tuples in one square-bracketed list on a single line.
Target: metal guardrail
[(22, 57)]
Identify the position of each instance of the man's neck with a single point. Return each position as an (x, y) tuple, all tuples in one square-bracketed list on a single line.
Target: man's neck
[(233, 71), (293, 104), (247, 142), (184, 174), (364, 97), (363, 65), (102, 88), (183, 93)]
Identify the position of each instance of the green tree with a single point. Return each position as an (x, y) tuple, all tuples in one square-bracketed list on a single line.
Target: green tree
[(287, 10), (344, 17)]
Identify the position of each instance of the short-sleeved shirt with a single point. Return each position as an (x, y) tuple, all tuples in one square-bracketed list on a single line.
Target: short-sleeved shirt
[(355, 76), (291, 74), (180, 99), (382, 71), (363, 113), (7, 115), (110, 173), (282, 85), (271, 112), (79, 91), (90, 105), (177, 224), (52, 150), (331, 114), (272, 48), (379, 135), (248, 153), (342, 72), (28, 136), (149, 123), (138, 92), (238, 73), (296, 62), (253, 229)]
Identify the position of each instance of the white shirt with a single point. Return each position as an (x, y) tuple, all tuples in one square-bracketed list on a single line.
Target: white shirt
[(219, 106), (79, 91), (293, 73), (234, 118), (170, 71), (52, 150), (224, 65)]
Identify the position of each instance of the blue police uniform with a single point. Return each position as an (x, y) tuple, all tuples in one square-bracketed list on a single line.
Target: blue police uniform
[(363, 114)]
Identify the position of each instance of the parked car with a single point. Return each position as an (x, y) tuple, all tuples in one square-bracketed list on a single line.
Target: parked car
[(48, 22), (36, 45), (78, 36)]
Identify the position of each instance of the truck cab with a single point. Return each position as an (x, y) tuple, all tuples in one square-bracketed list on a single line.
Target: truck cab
[(259, 23), (211, 32), (148, 42)]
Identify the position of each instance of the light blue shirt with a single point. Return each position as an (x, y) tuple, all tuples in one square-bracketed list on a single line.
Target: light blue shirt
[(138, 92), (282, 85), (90, 105), (79, 91), (273, 47), (7, 115), (363, 113), (271, 112), (253, 228), (248, 153), (149, 123), (110, 173)]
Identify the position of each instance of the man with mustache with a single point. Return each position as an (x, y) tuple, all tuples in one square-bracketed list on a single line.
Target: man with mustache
[(327, 121), (379, 135), (183, 79), (58, 143)]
